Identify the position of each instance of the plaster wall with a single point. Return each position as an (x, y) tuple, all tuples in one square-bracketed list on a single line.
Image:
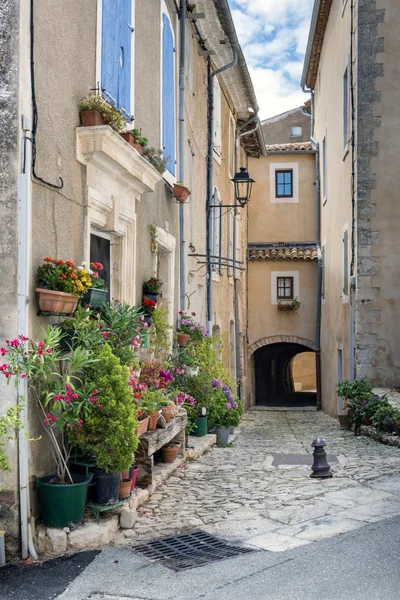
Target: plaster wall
[(264, 318), (286, 221), (336, 212), (303, 370), (9, 158), (277, 130)]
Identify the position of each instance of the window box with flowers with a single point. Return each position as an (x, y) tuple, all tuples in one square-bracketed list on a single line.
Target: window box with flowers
[(60, 285), (135, 139), (181, 192), (291, 306), (94, 110)]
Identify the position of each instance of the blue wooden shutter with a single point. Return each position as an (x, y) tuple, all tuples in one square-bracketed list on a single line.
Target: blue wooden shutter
[(116, 48), (168, 95)]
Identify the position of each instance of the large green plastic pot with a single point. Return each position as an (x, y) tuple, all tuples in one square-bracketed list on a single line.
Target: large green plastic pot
[(63, 505), (201, 427)]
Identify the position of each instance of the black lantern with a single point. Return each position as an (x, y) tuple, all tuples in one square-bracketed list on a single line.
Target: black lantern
[(243, 184)]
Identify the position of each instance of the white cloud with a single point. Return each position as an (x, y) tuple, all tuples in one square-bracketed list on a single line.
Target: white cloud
[(273, 35)]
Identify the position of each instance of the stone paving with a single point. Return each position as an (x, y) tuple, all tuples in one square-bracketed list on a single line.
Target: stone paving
[(237, 493)]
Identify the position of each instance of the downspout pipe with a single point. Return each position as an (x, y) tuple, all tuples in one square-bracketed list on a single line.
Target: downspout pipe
[(318, 240), (182, 232), (209, 199), (239, 135)]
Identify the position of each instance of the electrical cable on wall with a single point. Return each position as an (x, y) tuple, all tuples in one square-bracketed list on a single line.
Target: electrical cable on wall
[(35, 113)]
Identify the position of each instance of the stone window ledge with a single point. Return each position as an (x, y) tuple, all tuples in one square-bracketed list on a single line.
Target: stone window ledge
[(106, 149)]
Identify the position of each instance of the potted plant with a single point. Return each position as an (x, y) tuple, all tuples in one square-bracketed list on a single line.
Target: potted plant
[(385, 418), (189, 330), (151, 289), (96, 295), (291, 306), (181, 192), (59, 286), (189, 363), (153, 399), (155, 158), (109, 431), (63, 399), (135, 139), (170, 452), (225, 411), (355, 391), (94, 110), (149, 307)]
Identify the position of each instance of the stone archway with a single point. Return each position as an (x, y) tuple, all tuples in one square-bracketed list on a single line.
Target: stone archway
[(278, 339), (271, 373)]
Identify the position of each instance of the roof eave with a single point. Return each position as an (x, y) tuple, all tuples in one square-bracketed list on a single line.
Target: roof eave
[(318, 25)]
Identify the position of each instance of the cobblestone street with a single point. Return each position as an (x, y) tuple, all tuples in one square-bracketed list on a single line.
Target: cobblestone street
[(238, 493)]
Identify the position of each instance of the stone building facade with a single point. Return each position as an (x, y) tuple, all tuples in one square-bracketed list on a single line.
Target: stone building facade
[(350, 68), (87, 188)]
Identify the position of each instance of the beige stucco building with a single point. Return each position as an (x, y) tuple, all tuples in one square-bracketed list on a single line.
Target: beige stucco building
[(282, 264), (88, 195), (351, 70)]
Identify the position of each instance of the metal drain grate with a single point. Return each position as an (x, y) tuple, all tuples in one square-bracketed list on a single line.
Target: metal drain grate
[(189, 550)]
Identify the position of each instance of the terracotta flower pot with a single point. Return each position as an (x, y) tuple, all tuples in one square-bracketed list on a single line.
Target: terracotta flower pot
[(142, 426), (57, 302), (169, 453), (181, 193), (183, 339), (125, 488), (153, 418), (344, 421), (125, 474), (130, 138), (91, 118), (166, 412)]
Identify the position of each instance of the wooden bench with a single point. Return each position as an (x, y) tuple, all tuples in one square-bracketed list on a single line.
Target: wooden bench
[(151, 441)]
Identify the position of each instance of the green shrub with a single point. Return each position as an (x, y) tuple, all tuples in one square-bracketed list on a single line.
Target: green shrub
[(160, 338), (109, 431)]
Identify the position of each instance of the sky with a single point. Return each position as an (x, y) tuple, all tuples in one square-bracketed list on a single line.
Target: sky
[(273, 35)]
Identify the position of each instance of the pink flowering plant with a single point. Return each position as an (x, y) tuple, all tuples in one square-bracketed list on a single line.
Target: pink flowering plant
[(188, 325), (63, 398), (224, 408), (186, 401)]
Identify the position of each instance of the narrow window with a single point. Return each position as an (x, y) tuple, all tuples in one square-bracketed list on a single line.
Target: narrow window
[(285, 288), (346, 263), (100, 251), (296, 131), (345, 107), (324, 168), (284, 184)]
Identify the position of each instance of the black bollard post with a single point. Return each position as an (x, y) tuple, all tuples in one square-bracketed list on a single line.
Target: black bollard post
[(320, 468)]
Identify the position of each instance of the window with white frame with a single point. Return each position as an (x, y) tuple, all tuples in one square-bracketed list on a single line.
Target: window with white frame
[(115, 48), (346, 107), (232, 146), (345, 262), (238, 246), (285, 286), (217, 226), (284, 182), (324, 156), (217, 137)]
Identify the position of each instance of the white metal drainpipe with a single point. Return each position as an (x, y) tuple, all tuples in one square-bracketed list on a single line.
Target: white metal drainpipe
[(24, 261)]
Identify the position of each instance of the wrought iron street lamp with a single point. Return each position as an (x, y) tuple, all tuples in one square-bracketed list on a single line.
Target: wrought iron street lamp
[(243, 184)]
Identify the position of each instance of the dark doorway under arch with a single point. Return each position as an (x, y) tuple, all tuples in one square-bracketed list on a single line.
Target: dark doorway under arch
[(274, 385)]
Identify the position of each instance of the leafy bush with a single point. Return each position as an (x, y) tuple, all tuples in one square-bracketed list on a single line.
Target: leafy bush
[(110, 114), (160, 338), (109, 432), (359, 389), (9, 423), (225, 409)]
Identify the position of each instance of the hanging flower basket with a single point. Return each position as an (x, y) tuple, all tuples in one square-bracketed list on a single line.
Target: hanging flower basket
[(56, 303), (181, 193)]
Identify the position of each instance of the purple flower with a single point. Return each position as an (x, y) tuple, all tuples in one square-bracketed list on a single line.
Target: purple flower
[(228, 405), (226, 390), (231, 398), (364, 402), (165, 375), (215, 383), (234, 404), (377, 397), (192, 328)]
